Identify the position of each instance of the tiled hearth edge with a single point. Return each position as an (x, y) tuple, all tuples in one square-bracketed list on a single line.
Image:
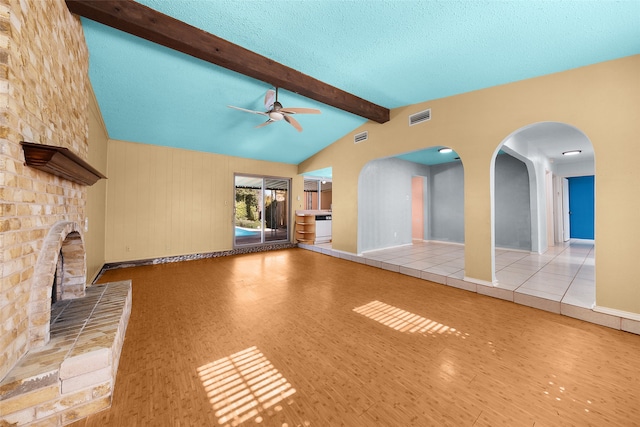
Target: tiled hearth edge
[(73, 375), (192, 257), (627, 322)]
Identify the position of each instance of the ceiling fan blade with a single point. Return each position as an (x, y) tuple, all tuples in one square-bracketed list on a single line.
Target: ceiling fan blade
[(268, 122), (296, 110), (247, 111), (269, 99), (293, 122)]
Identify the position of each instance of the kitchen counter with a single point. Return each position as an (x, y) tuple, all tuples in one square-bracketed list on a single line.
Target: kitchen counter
[(313, 212)]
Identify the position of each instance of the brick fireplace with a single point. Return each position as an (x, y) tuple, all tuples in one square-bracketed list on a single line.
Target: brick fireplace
[(44, 98), (57, 362)]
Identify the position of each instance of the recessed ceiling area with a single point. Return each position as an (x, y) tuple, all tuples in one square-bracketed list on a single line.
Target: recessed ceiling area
[(154, 95), (430, 156), (547, 139), (551, 139), (324, 173)]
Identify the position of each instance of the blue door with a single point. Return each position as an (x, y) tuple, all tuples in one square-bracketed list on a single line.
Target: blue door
[(581, 207)]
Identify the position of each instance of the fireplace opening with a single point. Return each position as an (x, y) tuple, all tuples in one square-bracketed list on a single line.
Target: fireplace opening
[(60, 274), (58, 279), (54, 296)]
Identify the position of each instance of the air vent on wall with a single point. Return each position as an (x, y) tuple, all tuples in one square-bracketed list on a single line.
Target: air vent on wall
[(359, 137), (420, 117)]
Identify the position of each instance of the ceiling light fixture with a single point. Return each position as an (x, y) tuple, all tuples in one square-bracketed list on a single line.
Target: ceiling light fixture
[(571, 153), (445, 150)]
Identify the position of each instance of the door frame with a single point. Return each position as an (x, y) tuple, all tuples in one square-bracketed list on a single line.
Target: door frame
[(263, 241)]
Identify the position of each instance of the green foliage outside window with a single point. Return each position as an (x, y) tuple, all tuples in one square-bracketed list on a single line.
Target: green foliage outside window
[(247, 208)]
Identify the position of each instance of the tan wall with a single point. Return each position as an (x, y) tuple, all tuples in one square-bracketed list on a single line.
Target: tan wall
[(166, 201), (601, 100), (94, 237), (43, 99)]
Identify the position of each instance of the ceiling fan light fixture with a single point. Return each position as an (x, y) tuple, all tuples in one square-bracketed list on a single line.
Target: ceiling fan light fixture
[(276, 116), (445, 150), (571, 152), (275, 112)]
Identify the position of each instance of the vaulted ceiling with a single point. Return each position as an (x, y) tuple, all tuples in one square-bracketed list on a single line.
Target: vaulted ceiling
[(391, 53)]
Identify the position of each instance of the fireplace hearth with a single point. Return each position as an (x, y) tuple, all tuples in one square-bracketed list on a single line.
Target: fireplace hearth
[(75, 338), (73, 375)]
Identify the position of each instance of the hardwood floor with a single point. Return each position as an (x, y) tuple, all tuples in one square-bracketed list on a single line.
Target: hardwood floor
[(295, 338)]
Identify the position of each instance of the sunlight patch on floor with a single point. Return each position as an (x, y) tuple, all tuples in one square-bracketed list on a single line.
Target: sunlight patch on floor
[(404, 321), (243, 386)]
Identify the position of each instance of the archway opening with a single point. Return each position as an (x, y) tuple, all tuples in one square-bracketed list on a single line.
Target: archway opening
[(529, 174), (387, 199)]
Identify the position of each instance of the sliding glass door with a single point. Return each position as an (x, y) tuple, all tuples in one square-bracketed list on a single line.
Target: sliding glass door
[(261, 210)]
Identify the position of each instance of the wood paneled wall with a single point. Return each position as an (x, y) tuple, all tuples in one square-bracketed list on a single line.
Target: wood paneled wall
[(94, 235), (165, 201)]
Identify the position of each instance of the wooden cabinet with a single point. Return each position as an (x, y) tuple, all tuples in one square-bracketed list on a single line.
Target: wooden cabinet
[(305, 228)]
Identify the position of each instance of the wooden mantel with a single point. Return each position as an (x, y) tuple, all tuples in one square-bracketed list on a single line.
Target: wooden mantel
[(61, 162)]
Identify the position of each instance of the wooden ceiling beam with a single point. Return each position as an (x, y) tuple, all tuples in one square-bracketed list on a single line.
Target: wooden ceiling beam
[(142, 21)]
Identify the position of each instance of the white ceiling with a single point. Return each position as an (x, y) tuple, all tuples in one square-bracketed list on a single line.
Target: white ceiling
[(551, 140)]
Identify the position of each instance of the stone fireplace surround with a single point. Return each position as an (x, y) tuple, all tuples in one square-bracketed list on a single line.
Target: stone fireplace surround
[(74, 344), (45, 98)]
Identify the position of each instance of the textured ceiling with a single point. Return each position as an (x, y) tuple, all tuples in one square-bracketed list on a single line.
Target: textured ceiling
[(392, 53)]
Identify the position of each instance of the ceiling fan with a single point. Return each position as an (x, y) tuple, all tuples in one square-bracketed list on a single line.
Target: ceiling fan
[(276, 112)]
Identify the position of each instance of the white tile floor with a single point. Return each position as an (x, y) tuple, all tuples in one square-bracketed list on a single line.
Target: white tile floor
[(561, 277), (562, 280)]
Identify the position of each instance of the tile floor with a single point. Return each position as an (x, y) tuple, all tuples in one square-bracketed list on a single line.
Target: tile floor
[(562, 280)]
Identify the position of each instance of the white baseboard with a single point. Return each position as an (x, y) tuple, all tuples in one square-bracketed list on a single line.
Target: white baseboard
[(615, 312), (479, 281), (444, 242), (524, 251), (384, 249)]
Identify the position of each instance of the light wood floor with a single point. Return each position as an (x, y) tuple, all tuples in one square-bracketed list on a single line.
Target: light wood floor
[(295, 338)]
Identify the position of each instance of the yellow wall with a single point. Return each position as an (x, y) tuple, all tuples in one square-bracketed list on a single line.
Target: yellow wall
[(94, 238), (602, 100), (165, 201)]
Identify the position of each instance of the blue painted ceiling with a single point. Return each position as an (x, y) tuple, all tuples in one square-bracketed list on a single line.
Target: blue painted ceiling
[(430, 156), (392, 53)]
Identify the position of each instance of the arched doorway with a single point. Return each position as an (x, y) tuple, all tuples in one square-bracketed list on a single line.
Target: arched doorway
[(539, 162)]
